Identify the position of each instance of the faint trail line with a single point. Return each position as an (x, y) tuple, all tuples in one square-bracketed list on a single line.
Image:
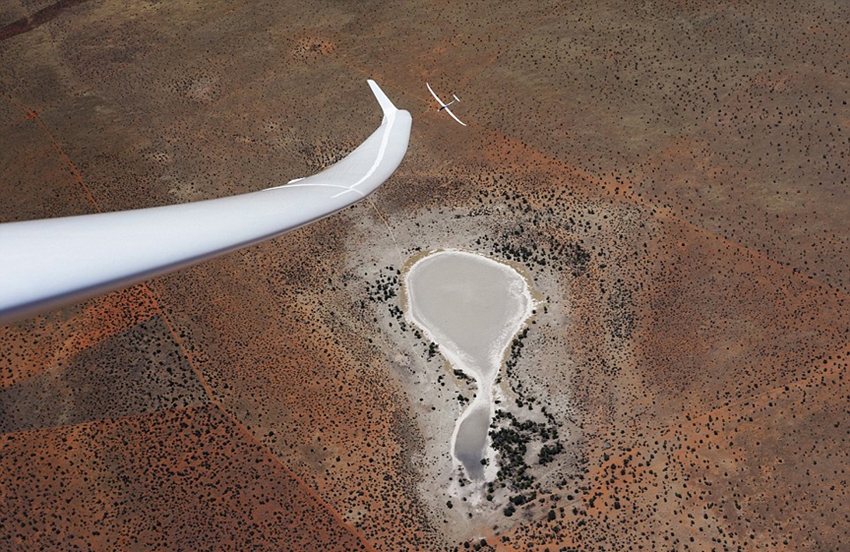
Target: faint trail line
[(177, 339), (33, 115), (244, 429), (111, 419), (389, 229), (190, 359), (313, 493), (416, 358)]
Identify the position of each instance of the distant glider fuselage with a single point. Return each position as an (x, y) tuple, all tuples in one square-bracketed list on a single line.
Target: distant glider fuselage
[(445, 105)]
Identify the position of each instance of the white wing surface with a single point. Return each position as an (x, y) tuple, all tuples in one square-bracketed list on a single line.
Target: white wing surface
[(45, 264), (449, 111), (439, 101)]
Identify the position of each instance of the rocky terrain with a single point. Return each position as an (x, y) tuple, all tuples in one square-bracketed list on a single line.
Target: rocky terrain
[(671, 178)]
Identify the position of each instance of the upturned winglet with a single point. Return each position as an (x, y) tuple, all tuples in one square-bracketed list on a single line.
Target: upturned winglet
[(386, 105)]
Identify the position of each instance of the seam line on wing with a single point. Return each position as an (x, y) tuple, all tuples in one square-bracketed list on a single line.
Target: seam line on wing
[(384, 141), (344, 189)]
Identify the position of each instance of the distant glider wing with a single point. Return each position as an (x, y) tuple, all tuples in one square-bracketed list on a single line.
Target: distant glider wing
[(45, 264), (439, 101), (449, 111)]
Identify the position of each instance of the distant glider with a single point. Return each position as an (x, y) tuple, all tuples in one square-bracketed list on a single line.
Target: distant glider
[(445, 105)]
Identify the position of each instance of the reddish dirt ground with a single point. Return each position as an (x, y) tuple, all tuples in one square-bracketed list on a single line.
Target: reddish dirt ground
[(176, 479), (695, 154)]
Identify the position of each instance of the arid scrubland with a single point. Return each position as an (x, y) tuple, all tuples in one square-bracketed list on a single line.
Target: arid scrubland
[(671, 177)]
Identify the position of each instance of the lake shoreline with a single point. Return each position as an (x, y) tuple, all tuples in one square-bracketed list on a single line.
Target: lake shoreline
[(472, 314)]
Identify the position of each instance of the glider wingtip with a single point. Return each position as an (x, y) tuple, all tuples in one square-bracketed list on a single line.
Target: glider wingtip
[(386, 105)]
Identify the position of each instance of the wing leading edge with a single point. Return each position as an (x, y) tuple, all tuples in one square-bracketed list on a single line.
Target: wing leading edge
[(53, 262)]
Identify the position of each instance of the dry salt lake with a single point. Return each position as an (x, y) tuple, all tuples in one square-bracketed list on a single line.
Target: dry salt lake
[(471, 306)]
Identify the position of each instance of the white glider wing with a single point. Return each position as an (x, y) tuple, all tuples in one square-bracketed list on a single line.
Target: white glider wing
[(431, 90), (45, 264), (449, 111), (443, 105)]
